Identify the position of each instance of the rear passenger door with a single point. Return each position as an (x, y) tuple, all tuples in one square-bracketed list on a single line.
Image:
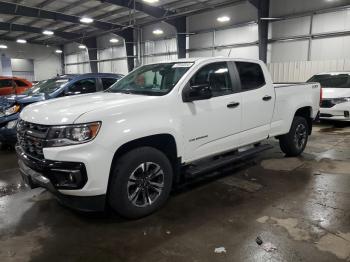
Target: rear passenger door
[(7, 87), (258, 101), (83, 86), (21, 86)]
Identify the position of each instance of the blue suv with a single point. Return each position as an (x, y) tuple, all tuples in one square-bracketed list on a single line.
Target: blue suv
[(66, 85)]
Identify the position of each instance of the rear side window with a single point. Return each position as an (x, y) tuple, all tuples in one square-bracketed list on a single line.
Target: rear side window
[(108, 82), (217, 76), (251, 75), (333, 81), (5, 83), (20, 83), (84, 86)]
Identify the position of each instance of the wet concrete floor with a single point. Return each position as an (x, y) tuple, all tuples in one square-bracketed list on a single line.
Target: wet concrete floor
[(298, 207)]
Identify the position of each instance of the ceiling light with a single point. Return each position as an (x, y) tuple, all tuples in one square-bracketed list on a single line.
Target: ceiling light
[(270, 18), (3, 46), (158, 32), (86, 20), (151, 1), (82, 46), (223, 19), (58, 51), (21, 41), (47, 32), (114, 40)]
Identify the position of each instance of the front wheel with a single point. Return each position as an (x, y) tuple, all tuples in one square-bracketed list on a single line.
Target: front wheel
[(294, 143), (141, 182)]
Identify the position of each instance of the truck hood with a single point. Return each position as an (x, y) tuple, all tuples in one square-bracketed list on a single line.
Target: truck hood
[(68, 109), (335, 92)]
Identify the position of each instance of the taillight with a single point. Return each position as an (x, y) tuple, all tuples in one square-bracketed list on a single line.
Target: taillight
[(321, 95)]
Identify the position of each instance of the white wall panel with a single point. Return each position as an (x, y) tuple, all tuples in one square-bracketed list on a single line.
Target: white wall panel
[(330, 48), (332, 22), (287, 7), (301, 71), (161, 58), (201, 40), (115, 66), (289, 51), (244, 34), (201, 53), (290, 27), (239, 13), (249, 52)]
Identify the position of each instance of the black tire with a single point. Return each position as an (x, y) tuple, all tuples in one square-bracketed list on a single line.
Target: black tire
[(294, 143), (130, 186)]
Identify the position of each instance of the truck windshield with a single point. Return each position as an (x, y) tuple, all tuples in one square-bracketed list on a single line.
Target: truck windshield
[(152, 80), (332, 80), (47, 86)]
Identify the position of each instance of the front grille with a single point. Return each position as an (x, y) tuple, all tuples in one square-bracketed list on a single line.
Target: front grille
[(327, 103), (31, 138)]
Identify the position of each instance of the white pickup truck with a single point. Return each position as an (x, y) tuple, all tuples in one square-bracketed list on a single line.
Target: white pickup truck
[(127, 147)]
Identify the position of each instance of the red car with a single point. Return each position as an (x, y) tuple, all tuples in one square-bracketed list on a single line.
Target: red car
[(13, 85)]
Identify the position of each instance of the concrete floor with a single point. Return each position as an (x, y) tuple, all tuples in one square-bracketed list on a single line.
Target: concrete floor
[(299, 205)]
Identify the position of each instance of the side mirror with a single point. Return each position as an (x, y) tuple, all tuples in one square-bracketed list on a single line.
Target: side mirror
[(196, 92)]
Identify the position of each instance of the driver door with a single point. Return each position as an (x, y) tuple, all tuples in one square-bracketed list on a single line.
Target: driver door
[(213, 125)]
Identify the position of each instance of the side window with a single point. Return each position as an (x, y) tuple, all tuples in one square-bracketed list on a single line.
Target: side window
[(20, 83), (217, 76), (251, 75), (83, 86), (5, 83), (108, 82)]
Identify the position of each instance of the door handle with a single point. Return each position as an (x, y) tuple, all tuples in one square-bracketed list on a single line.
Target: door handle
[(233, 105), (267, 98)]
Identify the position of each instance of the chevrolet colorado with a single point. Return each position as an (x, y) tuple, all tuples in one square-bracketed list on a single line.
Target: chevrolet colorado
[(128, 146)]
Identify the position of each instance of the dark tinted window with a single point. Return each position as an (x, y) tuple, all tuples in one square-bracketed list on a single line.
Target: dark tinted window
[(5, 83), (217, 76), (251, 75), (334, 81), (83, 86), (108, 82), (20, 83)]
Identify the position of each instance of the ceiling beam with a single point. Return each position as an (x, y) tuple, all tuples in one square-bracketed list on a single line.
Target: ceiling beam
[(21, 10), (154, 11), (24, 28)]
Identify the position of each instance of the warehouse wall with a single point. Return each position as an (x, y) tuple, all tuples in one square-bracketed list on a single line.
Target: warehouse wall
[(45, 61), (309, 44)]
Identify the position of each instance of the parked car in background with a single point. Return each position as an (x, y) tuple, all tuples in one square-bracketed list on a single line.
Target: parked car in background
[(160, 124), (66, 85), (335, 104), (13, 85)]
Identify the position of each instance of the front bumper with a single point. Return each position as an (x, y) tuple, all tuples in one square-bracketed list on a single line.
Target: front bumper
[(335, 113), (38, 173)]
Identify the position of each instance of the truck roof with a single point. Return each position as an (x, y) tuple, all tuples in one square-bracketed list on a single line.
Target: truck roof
[(206, 59), (334, 73)]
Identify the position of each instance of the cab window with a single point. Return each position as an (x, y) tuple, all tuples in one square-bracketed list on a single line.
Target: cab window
[(251, 75), (217, 76), (5, 83), (108, 82), (20, 83), (83, 86)]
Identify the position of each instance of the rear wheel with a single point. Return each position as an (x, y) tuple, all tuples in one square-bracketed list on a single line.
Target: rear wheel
[(141, 182), (294, 143)]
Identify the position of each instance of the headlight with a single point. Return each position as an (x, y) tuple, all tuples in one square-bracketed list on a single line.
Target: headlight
[(340, 100), (72, 134), (12, 110)]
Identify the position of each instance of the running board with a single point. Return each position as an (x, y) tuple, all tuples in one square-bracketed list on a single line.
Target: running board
[(213, 165)]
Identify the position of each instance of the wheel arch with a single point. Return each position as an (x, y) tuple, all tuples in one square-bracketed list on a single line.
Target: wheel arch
[(307, 113), (165, 143)]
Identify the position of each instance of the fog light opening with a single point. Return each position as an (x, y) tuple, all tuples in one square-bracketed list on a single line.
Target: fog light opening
[(346, 114)]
